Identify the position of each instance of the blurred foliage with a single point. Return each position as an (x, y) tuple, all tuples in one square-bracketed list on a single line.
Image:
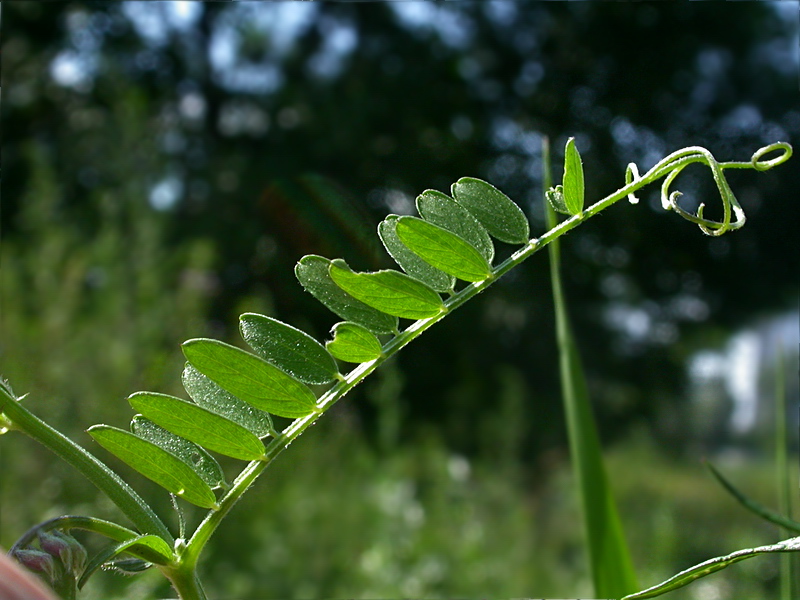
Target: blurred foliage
[(278, 129), (163, 175)]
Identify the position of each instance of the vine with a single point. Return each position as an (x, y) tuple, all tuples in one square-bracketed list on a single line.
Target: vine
[(446, 256)]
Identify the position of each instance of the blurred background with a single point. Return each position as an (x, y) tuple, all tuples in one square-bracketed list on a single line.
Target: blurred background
[(167, 163)]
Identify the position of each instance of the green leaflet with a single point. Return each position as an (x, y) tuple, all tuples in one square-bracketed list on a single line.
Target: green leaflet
[(353, 343), (289, 349), (198, 425), (493, 209), (193, 455), (155, 463), (392, 292), (410, 262), (440, 209), (250, 378), (209, 395), (572, 191), (313, 273), (442, 249)]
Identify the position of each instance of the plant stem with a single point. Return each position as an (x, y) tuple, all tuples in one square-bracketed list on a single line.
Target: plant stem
[(120, 493), (184, 580)]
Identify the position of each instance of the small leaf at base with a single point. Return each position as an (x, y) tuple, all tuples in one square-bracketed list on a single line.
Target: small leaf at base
[(353, 343)]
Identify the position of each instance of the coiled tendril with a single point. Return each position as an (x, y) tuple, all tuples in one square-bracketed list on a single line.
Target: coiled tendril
[(672, 165)]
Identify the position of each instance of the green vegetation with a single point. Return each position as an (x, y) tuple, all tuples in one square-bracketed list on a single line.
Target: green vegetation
[(167, 439)]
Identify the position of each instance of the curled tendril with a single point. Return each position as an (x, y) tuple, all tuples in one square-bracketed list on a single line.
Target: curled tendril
[(632, 175), (733, 216)]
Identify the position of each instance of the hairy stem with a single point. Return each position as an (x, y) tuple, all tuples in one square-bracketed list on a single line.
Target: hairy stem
[(119, 492)]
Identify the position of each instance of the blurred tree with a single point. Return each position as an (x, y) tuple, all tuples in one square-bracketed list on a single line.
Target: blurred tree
[(252, 122)]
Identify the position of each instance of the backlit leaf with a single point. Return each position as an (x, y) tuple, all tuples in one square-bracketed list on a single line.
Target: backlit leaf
[(573, 179), (440, 209), (313, 273), (192, 454), (410, 262), (155, 463), (289, 349), (392, 292), (209, 395), (198, 425), (493, 209), (442, 249), (353, 343), (250, 378)]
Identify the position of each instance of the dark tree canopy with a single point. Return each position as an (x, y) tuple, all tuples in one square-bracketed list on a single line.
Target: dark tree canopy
[(277, 129)]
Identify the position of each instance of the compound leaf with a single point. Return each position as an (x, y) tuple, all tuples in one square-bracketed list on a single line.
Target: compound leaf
[(392, 292), (288, 348), (155, 463), (442, 249), (209, 395), (493, 209), (313, 272), (192, 454), (440, 209), (353, 343), (250, 378), (410, 262), (198, 425), (573, 188)]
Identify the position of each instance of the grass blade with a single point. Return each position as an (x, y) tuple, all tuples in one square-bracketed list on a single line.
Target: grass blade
[(787, 565), (712, 565), (609, 557), (788, 525)]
